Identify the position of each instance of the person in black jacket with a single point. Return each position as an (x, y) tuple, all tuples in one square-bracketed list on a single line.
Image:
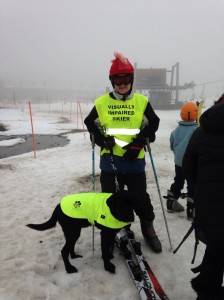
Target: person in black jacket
[(125, 120), (203, 163)]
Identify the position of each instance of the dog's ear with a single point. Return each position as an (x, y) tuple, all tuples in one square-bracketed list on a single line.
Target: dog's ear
[(112, 205), (121, 206)]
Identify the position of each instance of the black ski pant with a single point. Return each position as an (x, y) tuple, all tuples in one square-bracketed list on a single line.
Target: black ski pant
[(135, 183), (178, 184), (212, 267)]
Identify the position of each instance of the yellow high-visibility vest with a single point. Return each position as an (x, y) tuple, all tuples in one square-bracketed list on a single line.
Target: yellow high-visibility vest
[(121, 119), (91, 206)]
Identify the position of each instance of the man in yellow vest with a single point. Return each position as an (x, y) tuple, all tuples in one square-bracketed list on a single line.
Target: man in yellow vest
[(125, 120)]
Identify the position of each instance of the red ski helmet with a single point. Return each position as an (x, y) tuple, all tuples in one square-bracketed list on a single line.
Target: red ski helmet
[(189, 111), (120, 65)]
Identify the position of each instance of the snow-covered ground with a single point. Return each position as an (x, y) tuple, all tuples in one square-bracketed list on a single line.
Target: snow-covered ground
[(30, 188)]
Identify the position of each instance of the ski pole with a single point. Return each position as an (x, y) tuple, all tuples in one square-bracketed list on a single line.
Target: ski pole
[(93, 182), (184, 238), (194, 270), (158, 188)]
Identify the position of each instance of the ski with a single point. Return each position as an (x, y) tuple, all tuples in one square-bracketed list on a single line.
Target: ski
[(148, 274), (134, 269), (146, 282)]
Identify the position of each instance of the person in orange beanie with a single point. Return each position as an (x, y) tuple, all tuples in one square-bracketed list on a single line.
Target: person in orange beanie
[(179, 139)]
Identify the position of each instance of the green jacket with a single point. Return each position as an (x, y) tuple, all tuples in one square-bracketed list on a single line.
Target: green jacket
[(91, 206)]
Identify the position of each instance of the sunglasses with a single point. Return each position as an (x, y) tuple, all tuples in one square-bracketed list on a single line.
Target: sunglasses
[(126, 80)]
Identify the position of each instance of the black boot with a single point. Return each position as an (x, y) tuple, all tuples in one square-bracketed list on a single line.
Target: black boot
[(172, 204), (150, 236)]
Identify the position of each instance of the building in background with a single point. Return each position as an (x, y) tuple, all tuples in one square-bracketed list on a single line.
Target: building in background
[(153, 84)]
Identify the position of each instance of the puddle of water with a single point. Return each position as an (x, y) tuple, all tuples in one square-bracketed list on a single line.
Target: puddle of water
[(42, 142)]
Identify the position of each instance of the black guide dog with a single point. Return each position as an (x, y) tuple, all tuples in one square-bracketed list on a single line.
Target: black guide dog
[(121, 208)]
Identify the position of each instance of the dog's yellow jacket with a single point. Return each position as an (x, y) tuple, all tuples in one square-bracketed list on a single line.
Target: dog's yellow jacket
[(91, 206)]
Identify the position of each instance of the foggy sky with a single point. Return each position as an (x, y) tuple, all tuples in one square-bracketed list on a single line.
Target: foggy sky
[(70, 43)]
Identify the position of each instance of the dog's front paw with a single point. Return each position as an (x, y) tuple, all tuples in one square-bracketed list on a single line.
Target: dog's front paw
[(71, 269), (108, 266), (73, 255)]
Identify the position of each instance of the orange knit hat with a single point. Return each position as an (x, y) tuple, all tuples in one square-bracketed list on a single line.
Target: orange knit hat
[(189, 111)]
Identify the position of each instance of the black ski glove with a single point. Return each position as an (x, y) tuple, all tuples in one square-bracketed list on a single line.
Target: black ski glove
[(134, 148), (103, 142), (98, 138)]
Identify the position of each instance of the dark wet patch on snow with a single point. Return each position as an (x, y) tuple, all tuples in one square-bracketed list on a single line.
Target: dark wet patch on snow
[(42, 142)]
